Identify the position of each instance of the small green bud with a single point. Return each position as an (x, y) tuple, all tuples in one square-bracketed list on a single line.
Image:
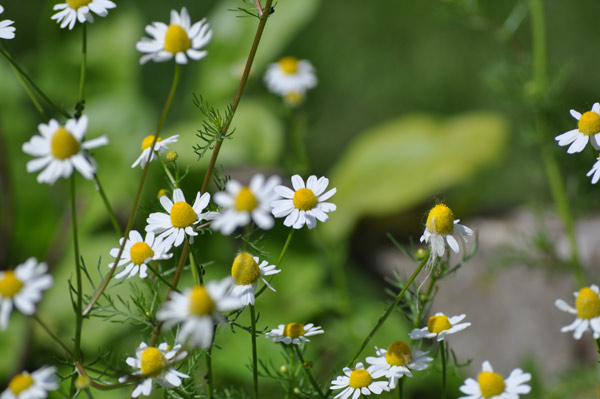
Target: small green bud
[(283, 368), (172, 156)]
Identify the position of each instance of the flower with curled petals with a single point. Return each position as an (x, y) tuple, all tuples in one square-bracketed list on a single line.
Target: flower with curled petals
[(80, 10), (245, 272), (491, 385), (441, 228), (439, 326), (588, 130), (137, 253), (160, 147), (587, 309), (358, 381)]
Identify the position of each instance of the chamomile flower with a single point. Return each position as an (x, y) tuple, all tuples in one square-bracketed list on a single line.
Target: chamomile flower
[(32, 386), (358, 381), (244, 203), (588, 129), (59, 149), (155, 364), (22, 288), (398, 360), (198, 309), (290, 78), (179, 39), (137, 253), (159, 147), (6, 30), (294, 333), (80, 10), (595, 171), (587, 309), (491, 385), (179, 219), (441, 228), (246, 271), (305, 204), (439, 326)]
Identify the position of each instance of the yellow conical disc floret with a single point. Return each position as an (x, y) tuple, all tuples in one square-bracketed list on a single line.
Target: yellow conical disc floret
[(139, 252), (63, 145), (177, 40), (245, 200), (437, 324), (10, 285), (152, 362), (201, 304), (245, 270), (305, 199), (360, 378), (293, 330), (440, 220), (289, 65), (82, 382), (76, 4), (398, 354), (20, 382), (148, 140), (589, 123), (587, 303), (182, 215), (490, 384)]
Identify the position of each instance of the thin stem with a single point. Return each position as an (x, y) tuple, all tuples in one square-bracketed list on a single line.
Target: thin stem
[(79, 302), (417, 321), (195, 275), (312, 380), (81, 103), (160, 277), (258, 7), (443, 354), (209, 375), (283, 251), (27, 89), (254, 354), (598, 345), (51, 334), (167, 172), (111, 213), (400, 389)]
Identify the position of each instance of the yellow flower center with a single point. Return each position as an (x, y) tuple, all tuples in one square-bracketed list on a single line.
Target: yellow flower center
[(153, 361), (293, 330), (201, 303), (177, 40), (75, 4), (245, 270), (182, 215), (440, 220), (589, 123), (172, 156), (305, 199), (139, 252), (20, 382), (398, 354), (587, 303), (82, 382), (10, 284), (491, 384), (360, 378), (437, 324), (147, 142), (63, 145), (289, 65), (245, 200)]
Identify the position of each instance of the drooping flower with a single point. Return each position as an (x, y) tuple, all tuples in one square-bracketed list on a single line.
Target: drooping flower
[(358, 381), (159, 147), (245, 272), (294, 333), (179, 39), (6, 30), (305, 204), (22, 288), (80, 10), (439, 326), (290, 78), (588, 129), (441, 228), (587, 309), (32, 386), (59, 149), (137, 253), (398, 360), (491, 385)]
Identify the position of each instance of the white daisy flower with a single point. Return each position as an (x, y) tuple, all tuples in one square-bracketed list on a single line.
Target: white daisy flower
[(179, 39), (198, 309), (439, 326), (60, 149), (398, 360), (305, 204), (159, 147), (32, 386), (290, 78), (244, 203), (441, 228), (179, 219), (588, 128), (6, 30), (155, 364), (595, 171), (587, 309), (22, 287), (80, 10), (294, 333), (246, 271), (490, 385), (358, 381), (137, 253)]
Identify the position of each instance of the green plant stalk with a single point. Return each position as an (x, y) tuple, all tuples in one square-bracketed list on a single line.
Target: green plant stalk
[(209, 374), (167, 172), (83, 67), (443, 354), (160, 277), (312, 380), (106, 202), (281, 254), (598, 345), (195, 274), (27, 89), (254, 353), (79, 303), (400, 389), (417, 321), (51, 334)]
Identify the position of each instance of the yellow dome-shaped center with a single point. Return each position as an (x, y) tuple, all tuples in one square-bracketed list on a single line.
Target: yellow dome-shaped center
[(440, 220), (201, 304), (75, 4), (20, 382), (63, 145), (245, 200), (398, 354), (360, 378), (289, 65), (153, 361), (305, 199), (589, 123), (176, 39), (10, 285), (587, 303), (293, 330), (182, 215), (245, 270), (82, 382), (147, 142), (490, 384), (139, 252), (437, 324)]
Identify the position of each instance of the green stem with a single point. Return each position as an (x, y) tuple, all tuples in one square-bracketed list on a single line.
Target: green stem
[(27, 89), (400, 389), (209, 374), (598, 345), (417, 321), (283, 251), (195, 275), (160, 277), (167, 172), (51, 334), (443, 354), (111, 213), (81, 103), (254, 354), (312, 380), (79, 303)]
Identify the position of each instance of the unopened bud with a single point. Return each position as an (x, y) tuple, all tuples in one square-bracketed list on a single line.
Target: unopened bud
[(283, 368), (421, 253), (162, 192), (172, 156), (82, 382)]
